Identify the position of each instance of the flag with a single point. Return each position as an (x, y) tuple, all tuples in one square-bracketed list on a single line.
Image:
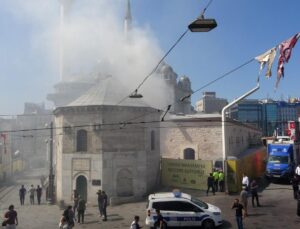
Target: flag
[(267, 58), (285, 49)]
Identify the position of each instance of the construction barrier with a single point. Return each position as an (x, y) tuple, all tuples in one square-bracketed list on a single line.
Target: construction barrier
[(18, 166), (252, 164), (185, 173)]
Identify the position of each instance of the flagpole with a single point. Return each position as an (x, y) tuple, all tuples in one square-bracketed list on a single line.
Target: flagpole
[(224, 134)]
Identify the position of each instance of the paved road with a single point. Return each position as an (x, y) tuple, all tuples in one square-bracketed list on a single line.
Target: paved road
[(278, 211)]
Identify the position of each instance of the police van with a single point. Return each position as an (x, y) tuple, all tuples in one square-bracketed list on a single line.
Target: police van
[(182, 210)]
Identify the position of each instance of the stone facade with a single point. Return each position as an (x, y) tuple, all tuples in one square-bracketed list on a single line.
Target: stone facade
[(201, 135), (121, 159)]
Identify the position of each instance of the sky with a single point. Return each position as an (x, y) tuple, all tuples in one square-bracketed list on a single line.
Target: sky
[(29, 56)]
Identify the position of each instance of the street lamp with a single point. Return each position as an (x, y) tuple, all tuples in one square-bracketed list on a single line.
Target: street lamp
[(202, 25)]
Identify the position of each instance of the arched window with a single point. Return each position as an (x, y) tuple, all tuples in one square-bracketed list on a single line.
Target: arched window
[(152, 140), (81, 140), (189, 154)]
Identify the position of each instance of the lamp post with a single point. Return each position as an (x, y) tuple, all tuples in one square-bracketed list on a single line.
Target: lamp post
[(51, 175), (224, 134)]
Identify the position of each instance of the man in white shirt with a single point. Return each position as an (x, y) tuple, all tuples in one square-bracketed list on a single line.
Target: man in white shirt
[(245, 181)]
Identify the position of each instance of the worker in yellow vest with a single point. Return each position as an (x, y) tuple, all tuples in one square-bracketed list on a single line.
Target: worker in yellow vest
[(221, 181), (216, 179)]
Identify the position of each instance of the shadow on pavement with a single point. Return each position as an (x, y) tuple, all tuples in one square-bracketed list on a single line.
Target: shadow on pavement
[(256, 214), (226, 224)]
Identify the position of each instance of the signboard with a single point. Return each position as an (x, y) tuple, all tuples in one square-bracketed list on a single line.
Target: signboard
[(186, 173)]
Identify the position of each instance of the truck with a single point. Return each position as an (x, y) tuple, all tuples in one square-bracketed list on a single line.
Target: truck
[(283, 157)]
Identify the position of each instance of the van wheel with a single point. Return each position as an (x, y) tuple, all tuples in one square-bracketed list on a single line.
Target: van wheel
[(208, 224)]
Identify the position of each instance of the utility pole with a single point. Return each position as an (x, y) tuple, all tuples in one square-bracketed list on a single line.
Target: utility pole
[(51, 175)]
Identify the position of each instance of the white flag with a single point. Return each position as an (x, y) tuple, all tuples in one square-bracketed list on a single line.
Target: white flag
[(267, 58)]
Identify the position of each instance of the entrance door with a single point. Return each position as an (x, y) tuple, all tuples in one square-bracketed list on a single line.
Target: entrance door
[(81, 187)]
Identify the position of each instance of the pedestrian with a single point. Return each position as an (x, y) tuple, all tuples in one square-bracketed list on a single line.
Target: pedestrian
[(100, 201), (297, 171), (11, 218), (159, 223), (244, 199), (216, 179), (254, 194), (221, 181), (81, 209), (39, 192), (104, 205), (69, 217), (75, 200), (22, 193), (245, 181), (31, 194), (135, 223), (295, 185), (210, 184), (239, 213)]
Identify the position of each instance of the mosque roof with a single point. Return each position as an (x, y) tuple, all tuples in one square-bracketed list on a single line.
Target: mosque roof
[(108, 91)]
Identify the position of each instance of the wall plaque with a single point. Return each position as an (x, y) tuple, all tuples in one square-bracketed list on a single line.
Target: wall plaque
[(81, 164)]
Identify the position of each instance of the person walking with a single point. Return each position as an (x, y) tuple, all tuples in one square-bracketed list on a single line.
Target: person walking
[(295, 185), (239, 213), (210, 184), (221, 181), (245, 181), (31, 194), (254, 194), (216, 179), (244, 199), (81, 209), (11, 218), (39, 192), (100, 202), (22, 193), (135, 223), (104, 205)]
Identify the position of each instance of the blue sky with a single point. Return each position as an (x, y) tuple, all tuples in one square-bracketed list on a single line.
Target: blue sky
[(245, 30)]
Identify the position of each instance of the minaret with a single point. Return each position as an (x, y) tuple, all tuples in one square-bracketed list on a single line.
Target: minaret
[(64, 10), (127, 20)]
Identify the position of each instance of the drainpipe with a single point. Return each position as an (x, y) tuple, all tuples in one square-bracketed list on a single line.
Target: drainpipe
[(224, 135)]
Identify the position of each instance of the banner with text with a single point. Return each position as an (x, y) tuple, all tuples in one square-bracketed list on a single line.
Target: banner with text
[(186, 173)]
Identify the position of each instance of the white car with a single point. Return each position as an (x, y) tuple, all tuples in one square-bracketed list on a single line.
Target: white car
[(182, 210)]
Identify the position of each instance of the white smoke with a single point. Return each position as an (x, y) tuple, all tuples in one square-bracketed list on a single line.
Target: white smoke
[(94, 41)]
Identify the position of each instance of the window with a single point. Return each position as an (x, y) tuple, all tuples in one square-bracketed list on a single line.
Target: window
[(81, 141), (152, 140), (189, 154)]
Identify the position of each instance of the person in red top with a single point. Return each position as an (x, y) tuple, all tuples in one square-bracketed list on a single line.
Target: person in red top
[(11, 218)]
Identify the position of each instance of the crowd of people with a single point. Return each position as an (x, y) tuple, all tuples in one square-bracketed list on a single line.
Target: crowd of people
[(38, 191), (215, 182)]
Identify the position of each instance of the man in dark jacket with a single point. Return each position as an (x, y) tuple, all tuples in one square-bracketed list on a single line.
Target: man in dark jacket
[(22, 193), (100, 202), (39, 192), (210, 184), (81, 209), (253, 188), (104, 205)]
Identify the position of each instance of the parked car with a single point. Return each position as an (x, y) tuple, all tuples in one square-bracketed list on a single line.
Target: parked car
[(182, 210)]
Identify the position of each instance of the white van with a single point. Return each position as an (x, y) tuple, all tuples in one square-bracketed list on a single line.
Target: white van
[(182, 210)]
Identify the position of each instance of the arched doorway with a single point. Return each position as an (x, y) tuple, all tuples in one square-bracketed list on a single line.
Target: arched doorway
[(189, 154), (81, 186), (124, 183)]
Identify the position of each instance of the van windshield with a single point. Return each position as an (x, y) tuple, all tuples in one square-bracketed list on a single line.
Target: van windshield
[(199, 203), (278, 159)]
